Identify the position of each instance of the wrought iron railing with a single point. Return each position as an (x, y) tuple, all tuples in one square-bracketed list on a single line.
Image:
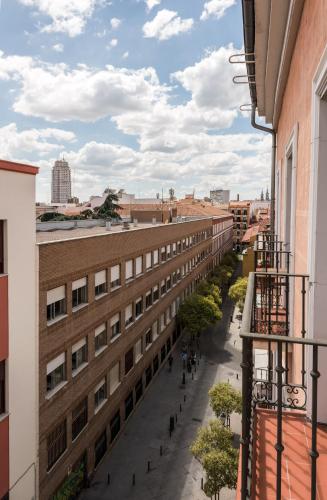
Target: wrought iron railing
[(270, 254), (280, 384)]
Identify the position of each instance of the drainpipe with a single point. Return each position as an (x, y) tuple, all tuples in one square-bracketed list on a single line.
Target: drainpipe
[(273, 163)]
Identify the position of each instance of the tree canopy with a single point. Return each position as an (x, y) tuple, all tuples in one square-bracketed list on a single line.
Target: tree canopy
[(225, 399), (206, 289), (229, 259), (221, 470), (198, 312), (214, 436), (221, 275), (108, 209), (237, 292)]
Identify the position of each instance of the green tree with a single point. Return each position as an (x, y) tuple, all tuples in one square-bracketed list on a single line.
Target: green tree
[(224, 399), (214, 436), (206, 289), (108, 209), (221, 275), (47, 216), (221, 471), (229, 259), (198, 312), (87, 213), (237, 292)]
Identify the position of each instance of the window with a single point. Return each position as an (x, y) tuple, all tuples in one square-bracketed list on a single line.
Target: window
[(168, 251), (178, 273), (114, 277), (79, 418), (114, 378), (174, 249), (56, 443), (115, 326), (56, 303), (128, 315), (187, 242), (100, 283), (168, 317), (129, 360), (138, 389), (129, 404), (179, 246), (173, 309), (100, 393), (79, 354), (129, 273), (100, 447), (168, 283), (56, 372), (138, 266), (148, 260), (138, 350), (148, 375), (155, 364), (79, 294), (163, 287), (100, 338), (174, 278), (154, 331), (163, 353), (163, 254), (155, 293), (115, 425), (183, 244), (2, 387), (148, 300), (162, 322), (138, 307), (148, 338), (155, 254)]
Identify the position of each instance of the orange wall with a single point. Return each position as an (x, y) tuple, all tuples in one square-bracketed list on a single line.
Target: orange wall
[(4, 456), (3, 317)]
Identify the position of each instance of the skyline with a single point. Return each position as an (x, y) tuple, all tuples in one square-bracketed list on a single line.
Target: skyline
[(124, 91)]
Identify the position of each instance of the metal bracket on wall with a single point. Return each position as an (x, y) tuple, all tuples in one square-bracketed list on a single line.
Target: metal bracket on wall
[(244, 54)]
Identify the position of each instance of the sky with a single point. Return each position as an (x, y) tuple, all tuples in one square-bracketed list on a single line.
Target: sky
[(135, 94)]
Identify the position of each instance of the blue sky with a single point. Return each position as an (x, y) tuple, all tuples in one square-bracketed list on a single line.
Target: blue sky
[(136, 94)]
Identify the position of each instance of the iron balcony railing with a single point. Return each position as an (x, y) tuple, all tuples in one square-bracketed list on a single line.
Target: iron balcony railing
[(270, 254), (278, 384)]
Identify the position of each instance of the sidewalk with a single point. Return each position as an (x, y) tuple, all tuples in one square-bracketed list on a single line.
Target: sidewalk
[(175, 475)]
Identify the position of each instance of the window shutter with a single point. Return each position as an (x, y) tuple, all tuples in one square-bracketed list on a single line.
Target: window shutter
[(114, 377), (100, 277), (114, 320), (79, 345), (148, 260), (129, 269), (138, 349), (138, 265), (79, 283), (100, 329), (155, 257), (115, 273), (128, 312), (56, 294), (52, 365)]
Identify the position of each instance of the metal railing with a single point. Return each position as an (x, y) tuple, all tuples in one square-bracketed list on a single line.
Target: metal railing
[(270, 254), (279, 384)]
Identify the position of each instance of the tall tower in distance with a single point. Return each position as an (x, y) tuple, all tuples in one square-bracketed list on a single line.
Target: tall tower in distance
[(61, 185)]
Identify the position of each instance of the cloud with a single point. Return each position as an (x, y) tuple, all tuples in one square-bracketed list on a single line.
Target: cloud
[(125, 55), (68, 17), (58, 47), (15, 143), (152, 3), (216, 8), (58, 93), (115, 23), (166, 24), (113, 42)]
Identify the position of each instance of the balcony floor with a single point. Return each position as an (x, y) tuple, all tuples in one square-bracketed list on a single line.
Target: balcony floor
[(296, 461)]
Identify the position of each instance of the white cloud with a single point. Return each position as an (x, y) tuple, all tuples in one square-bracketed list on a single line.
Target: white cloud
[(152, 3), (115, 23), (125, 55), (57, 93), (216, 8), (166, 24), (67, 16), (113, 42), (58, 47)]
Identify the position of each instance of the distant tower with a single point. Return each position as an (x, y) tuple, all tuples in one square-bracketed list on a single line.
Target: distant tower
[(267, 195), (262, 196), (61, 185)]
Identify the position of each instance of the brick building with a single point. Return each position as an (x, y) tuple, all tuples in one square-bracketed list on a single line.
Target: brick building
[(107, 303), (241, 214)]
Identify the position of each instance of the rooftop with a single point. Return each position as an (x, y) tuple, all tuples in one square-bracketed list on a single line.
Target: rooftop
[(22, 168)]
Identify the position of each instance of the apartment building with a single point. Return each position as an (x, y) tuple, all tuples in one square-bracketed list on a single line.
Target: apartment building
[(241, 214), (18, 333), (107, 307), (284, 397)]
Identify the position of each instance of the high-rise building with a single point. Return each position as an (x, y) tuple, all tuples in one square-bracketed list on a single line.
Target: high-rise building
[(61, 185), (220, 195)]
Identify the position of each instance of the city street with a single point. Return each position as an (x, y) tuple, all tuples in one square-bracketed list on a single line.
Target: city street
[(174, 475)]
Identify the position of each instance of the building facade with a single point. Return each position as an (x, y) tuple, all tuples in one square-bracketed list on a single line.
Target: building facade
[(107, 307), (61, 186), (18, 333), (241, 215), (285, 407), (220, 195)]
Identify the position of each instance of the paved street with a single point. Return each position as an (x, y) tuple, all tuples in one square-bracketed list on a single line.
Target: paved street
[(175, 475)]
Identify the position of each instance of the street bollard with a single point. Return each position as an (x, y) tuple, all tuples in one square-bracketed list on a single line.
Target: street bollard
[(184, 398), (236, 376), (169, 433), (183, 379), (201, 483), (161, 450), (176, 417), (108, 478), (133, 480), (149, 466)]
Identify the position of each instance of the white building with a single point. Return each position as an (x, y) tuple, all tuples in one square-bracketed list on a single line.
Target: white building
[(61, 186), (220, 195), (18, 333)]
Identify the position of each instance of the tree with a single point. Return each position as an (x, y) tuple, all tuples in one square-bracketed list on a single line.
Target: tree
[(87, 213), (221, 275), (229, 259), (209, 290), (214, 436), (47, 216), (221, 471), (108, 209), (198, 312), (237, 292), (224, 399)]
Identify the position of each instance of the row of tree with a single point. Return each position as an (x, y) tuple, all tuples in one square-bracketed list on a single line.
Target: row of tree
[(213, 446)]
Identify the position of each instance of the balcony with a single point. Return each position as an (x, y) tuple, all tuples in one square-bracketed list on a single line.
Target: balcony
[(284, 447)]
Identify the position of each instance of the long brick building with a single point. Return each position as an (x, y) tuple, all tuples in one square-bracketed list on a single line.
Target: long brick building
[(107, 303)]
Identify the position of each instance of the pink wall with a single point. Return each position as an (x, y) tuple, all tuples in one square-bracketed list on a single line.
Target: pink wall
[(4, 456), (3, 317)]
